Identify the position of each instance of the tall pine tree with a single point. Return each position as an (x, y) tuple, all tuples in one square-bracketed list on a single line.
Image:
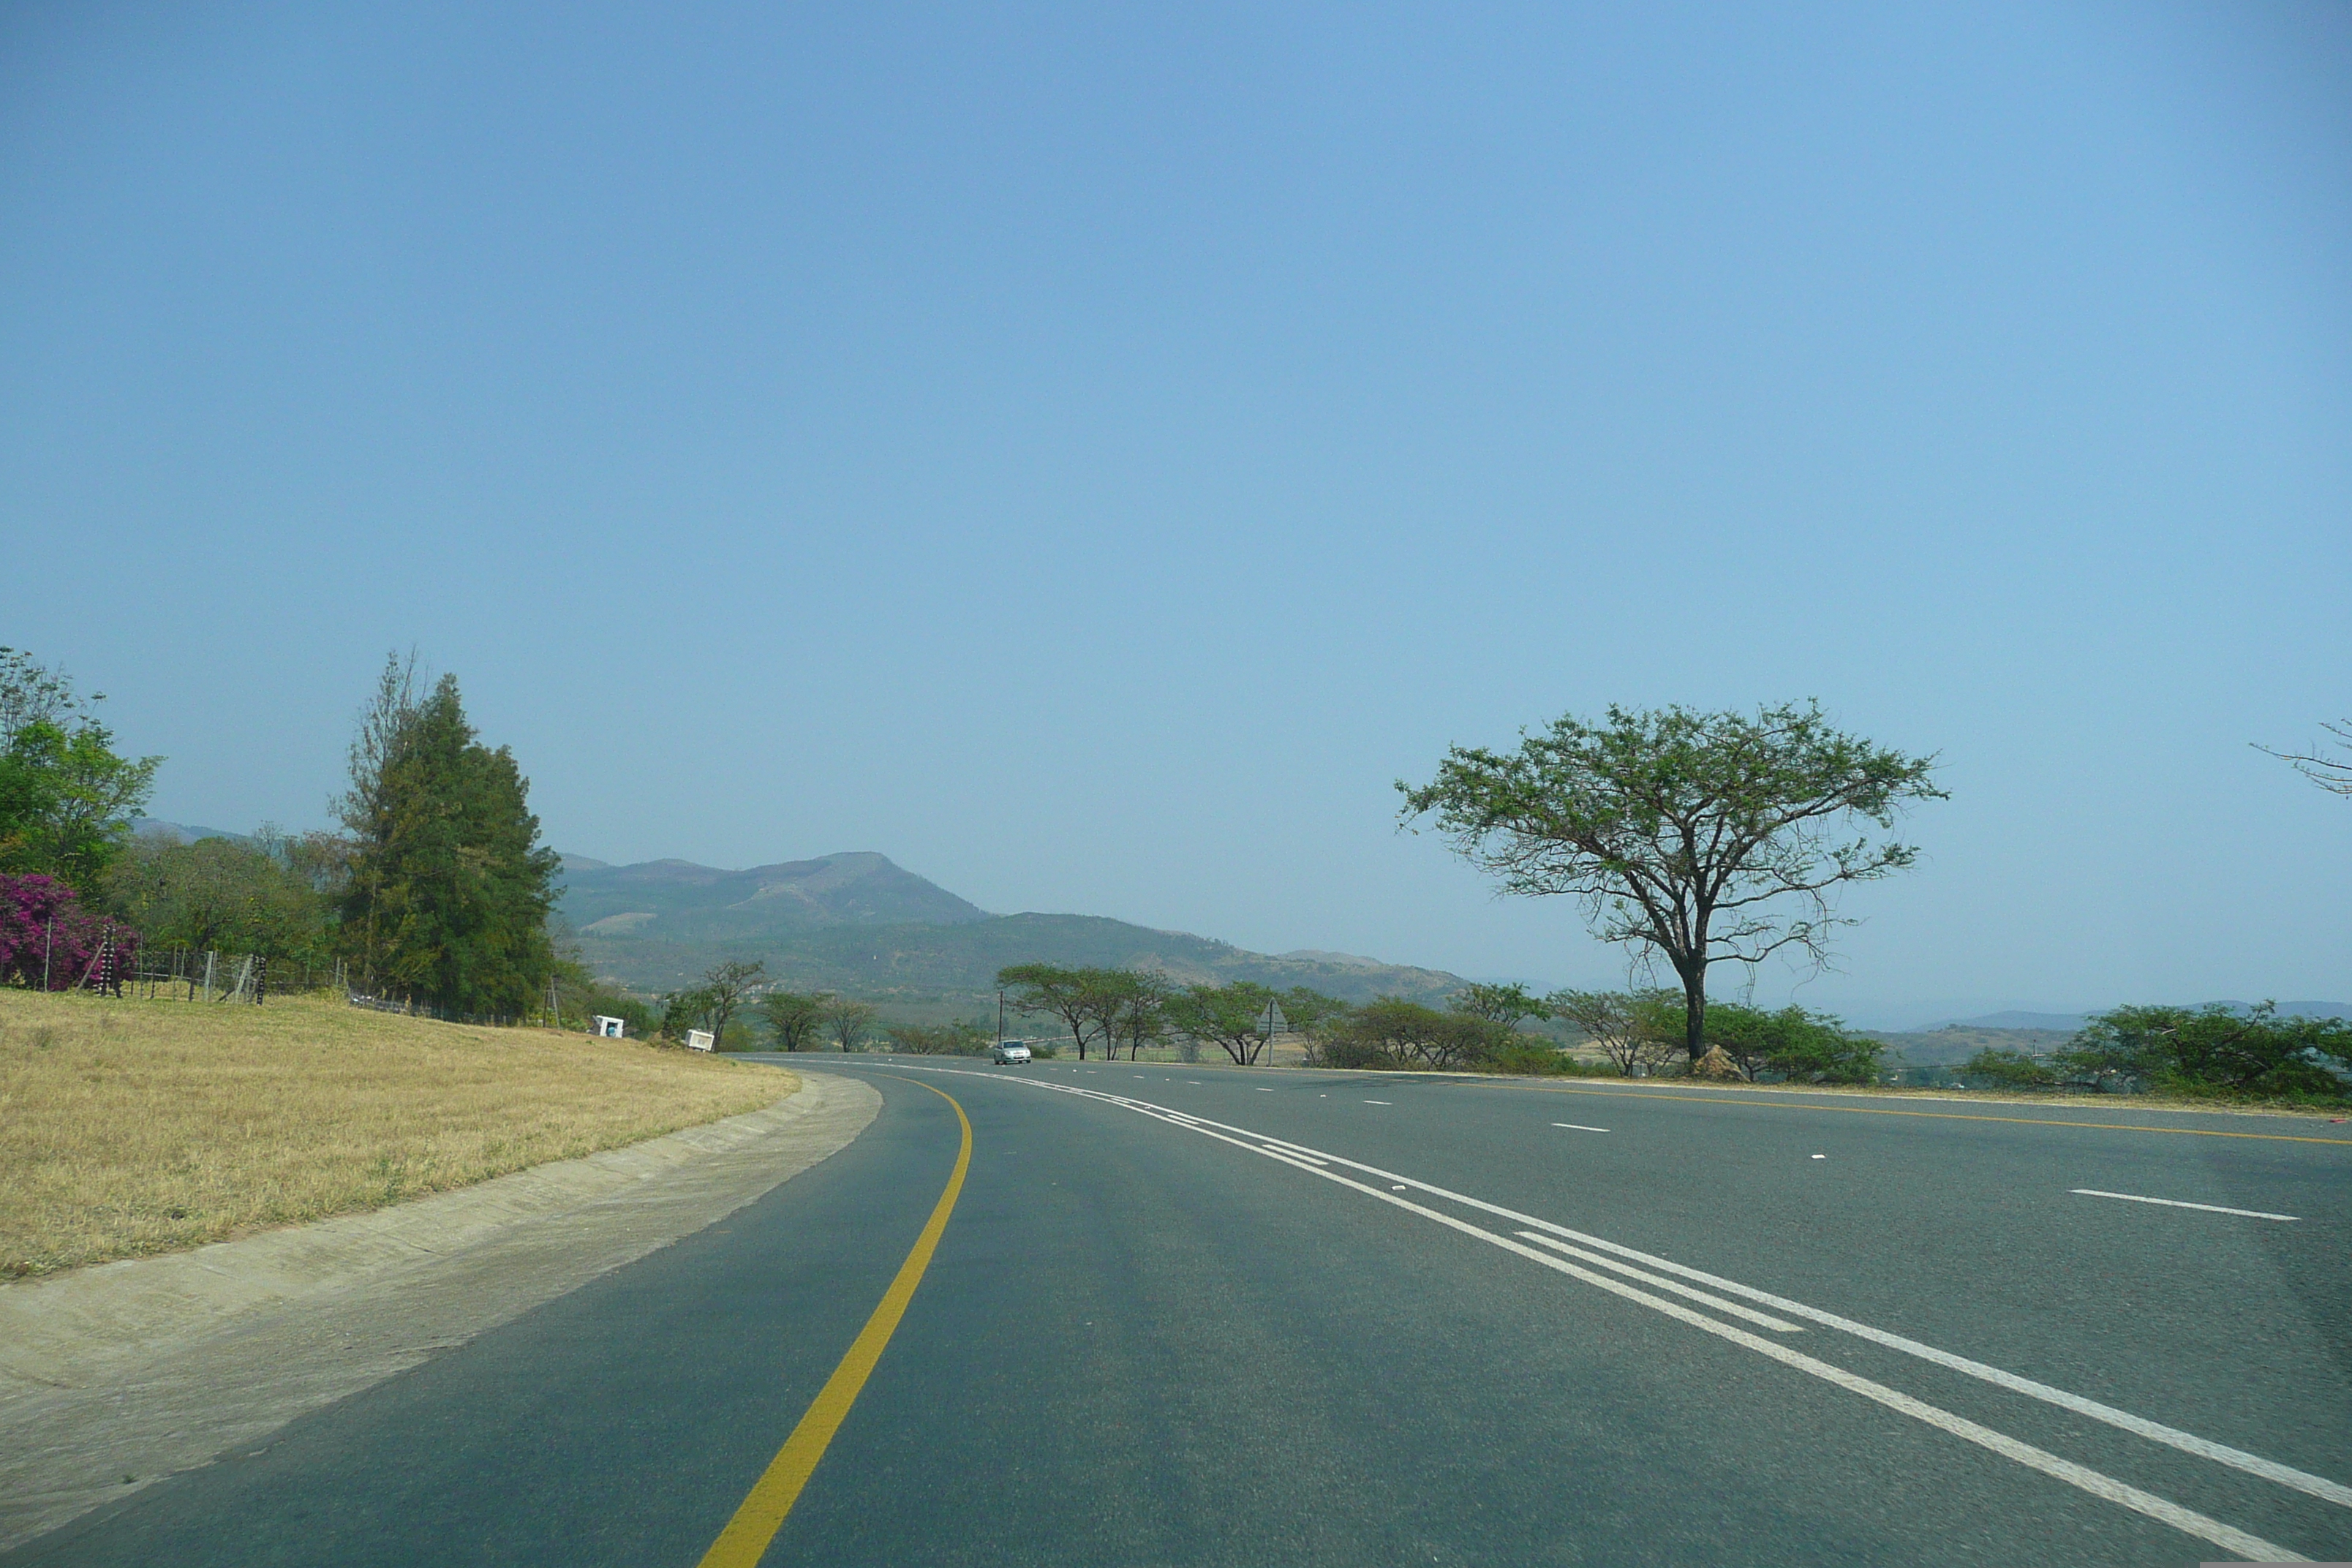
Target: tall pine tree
[(449, 886)]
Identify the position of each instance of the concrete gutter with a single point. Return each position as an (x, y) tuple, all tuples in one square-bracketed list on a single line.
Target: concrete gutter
[(119, 1374)]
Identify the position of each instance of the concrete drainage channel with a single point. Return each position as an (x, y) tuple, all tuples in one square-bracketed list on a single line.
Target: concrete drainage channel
[(155, 1366)]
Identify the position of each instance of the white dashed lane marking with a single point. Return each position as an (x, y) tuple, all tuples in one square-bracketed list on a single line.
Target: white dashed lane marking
[(2176, 1203)]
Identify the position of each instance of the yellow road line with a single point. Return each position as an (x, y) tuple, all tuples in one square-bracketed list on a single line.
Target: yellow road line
[(771, 1497), (1935, 1115)]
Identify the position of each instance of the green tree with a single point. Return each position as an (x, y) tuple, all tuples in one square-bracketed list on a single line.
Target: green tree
[(450, 888), (1306, 1009), (1701, 838), (1632, 1030), (1052, 990), (1503, 1004), (1390, 1031), (683, 1010), (32, 693), (1126, 1008), (67, 800), (2008, 1069), (1235, 1018), (66, 797), (961, 1038), (846, 1022), (219, 894), (2210, 1049), (795, 1018), (1790, 1044), (726, 987)]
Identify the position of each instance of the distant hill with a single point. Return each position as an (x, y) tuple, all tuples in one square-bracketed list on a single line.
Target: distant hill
[(959, 962), (2067, 1023), (153, 827), (679, 901), (860, 923), (1956, 1043)]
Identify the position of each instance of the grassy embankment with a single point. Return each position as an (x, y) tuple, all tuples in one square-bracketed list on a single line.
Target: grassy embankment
[(132, 1127)]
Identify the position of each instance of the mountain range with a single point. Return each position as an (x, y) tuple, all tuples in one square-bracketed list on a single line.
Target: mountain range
[(860, 923)]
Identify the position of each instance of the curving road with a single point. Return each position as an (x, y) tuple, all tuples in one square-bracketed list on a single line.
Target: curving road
[(1206, 1315)]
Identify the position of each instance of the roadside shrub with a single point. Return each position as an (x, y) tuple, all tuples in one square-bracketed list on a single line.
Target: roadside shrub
[(2210, 1050), (1390, 1032), (957, 1039), (2008, 1070), (1351, 1051), (1793, 1045)]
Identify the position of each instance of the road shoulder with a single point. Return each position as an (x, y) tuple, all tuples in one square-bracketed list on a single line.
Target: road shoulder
[(116, 1375)]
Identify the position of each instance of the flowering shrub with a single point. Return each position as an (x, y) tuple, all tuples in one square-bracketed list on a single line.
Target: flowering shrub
[(43, 921)]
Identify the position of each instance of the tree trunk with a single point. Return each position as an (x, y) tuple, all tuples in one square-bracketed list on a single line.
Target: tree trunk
[(1694, 1014)]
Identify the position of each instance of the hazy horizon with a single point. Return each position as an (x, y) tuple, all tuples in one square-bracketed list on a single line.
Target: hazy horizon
[(1088, 457)]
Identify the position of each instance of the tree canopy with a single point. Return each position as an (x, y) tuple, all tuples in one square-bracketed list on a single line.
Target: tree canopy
[(1235, 1018), (2211, 1050), (793, 1018), (219, 893), (1699, 838), (66, 798)]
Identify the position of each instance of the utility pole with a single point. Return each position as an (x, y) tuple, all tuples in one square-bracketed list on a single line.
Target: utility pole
[(999, 1019), (49, 940)]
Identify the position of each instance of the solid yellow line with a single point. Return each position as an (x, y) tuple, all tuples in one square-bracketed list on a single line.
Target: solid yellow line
[(1936, 1115), (771, 1497)]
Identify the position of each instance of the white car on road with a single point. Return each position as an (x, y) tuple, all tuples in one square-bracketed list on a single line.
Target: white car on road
[(1008, 1053)]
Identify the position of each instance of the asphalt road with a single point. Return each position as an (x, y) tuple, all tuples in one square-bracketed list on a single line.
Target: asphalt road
[(1203, 1315)]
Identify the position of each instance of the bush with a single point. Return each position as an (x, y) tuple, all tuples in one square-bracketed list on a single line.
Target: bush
[(43, 927), (2008, 1070), (1352, 1051), (957, 1039), (2213, 1051), (218, 893), (1793, 1045)]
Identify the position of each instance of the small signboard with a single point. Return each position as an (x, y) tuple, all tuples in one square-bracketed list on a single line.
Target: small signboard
[(611, 1028), (700, 1039)]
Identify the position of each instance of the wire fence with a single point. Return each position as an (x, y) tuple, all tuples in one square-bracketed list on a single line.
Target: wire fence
[(199, 974), (192, 974)]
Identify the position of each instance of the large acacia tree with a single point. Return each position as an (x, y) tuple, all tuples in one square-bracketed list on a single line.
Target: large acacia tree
[(1699, 838)]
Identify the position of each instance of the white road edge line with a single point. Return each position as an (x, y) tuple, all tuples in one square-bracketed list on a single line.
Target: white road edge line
[(2178, 1204), (2123, 1420), (1579, 1127), (2188, 1521)]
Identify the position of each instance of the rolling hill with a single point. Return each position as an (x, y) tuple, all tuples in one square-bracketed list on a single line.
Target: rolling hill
[(860, 923), (679, 900)]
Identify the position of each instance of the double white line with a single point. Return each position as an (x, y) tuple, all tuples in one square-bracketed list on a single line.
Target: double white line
[(1613, 1268)]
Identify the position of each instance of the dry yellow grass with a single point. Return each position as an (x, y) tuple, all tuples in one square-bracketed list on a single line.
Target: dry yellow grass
[(130, 1127)]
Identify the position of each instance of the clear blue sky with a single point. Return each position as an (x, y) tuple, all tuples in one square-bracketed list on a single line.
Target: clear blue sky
[(1087, 453)]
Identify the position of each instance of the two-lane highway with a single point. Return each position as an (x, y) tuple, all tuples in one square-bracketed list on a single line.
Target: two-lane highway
[(1193, 1314)]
